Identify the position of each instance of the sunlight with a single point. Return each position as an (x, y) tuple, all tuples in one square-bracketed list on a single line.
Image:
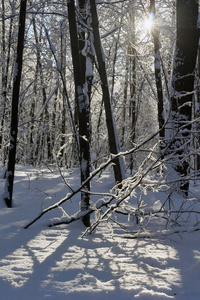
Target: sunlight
[(46, 243), (17, 267), (148, 22), (99, 268)]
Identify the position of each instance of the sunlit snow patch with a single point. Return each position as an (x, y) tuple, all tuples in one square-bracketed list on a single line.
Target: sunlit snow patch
[(45, 243), (131, 265), (17, 267)]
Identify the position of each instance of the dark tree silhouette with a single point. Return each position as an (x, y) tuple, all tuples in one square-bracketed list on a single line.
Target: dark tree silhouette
[(183, 84), (158, 72), (119, 168), (83, 111), (15, 104)]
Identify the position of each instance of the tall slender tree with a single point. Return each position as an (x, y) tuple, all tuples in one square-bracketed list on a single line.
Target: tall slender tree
[(5, 70), (132, 62), (185, 56), (3, 56), (8, 193), (119, 167), (157, 67), (197, 114), (83, 110)]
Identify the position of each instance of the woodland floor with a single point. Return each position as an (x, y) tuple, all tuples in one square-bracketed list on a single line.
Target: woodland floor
[(56, 263)]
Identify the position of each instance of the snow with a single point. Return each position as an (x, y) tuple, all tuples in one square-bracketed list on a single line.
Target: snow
[(56, 263), (89, 67), (15, 71)]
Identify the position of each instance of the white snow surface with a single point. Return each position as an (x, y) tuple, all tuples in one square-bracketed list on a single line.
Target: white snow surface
[(56, 263)]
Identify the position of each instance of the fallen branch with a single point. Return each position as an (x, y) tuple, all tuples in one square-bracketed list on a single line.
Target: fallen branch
[(69, 196), (134, 183), (80, 214), (161, 233)]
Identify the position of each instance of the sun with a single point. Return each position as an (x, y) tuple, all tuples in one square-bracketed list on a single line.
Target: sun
[(148, 22)]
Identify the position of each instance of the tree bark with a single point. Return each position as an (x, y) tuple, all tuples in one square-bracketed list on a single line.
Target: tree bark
[(15, 104), (197, 115), (119, 167), (5, 70), (132, 60), (3, 53), (83, 111), (183, 84), (158, 72)]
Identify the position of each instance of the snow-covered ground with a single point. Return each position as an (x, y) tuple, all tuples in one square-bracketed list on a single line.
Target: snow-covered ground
[(56, 263)]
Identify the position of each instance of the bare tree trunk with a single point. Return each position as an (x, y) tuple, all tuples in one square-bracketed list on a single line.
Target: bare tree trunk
[(85, 54), (197, 114), (114, 59), (63, 116), (125, 98), (119, 167), (158, 72), (83, 111), (3, 51), (183, 85), (15, 104), (132, 59), (5, 70)]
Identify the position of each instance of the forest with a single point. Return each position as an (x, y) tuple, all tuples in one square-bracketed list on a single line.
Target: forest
[(99, 149), (103, 85)]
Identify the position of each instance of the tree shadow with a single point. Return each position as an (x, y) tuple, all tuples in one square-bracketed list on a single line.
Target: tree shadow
[(58, 264)]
